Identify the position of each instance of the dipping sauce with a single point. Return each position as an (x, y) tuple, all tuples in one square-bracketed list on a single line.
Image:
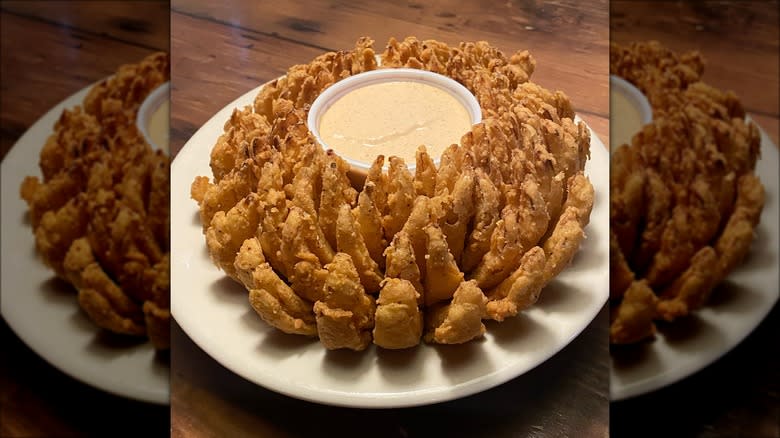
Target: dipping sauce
[(158, 126), (625, 119), (393, 118)]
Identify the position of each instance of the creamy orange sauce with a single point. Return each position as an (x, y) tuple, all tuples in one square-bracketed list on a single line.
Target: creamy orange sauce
[(393, 118), (158, 126), (624, 120)]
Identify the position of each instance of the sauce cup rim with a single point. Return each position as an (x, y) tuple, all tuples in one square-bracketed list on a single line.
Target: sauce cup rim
[(338, 89), (150, 104), (637, 98)]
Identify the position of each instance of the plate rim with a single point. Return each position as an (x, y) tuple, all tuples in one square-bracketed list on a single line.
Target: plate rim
[(665, 379), (364, 399), (16, 154)]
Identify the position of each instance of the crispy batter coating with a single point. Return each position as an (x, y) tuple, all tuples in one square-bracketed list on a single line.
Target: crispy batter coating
[(336, 192), (684, 200), (505, 208), (461, 320), (369, 223), (424, 212), (458, 213), (442, 275), (228, 231), (400, 197), (620, 274), (486, 215), (249, 257), (100, 214), (278, 305), (401, 262), (157, 314), (345, 316), (523, 222), (398, 320), (106, 305), (563, 243), (691, 289), (520, 290), (424, 173), (303, 239), (634, 317), (350, 241)]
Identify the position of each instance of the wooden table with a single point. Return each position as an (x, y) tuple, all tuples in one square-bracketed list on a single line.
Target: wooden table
[(222, 49), (51, 50), (738, 394)]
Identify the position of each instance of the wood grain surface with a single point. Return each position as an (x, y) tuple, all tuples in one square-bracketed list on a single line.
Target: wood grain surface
[(51, 50), (739, 41), (738, 394), (222, 49)]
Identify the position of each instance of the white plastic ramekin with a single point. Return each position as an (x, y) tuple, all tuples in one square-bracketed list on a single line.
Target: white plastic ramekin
[(333, 93), (634, 95), (157, 97)]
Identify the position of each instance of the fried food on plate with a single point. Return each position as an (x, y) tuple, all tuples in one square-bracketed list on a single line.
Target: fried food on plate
[(459, 321), (278, 305), (684, 198), (345, 315), (398, 320), (502, 212), (100, 212), (520, 290)]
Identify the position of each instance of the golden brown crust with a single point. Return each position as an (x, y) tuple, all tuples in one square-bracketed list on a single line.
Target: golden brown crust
[(398, 321), (461, 320), (100, 214), (684, 200), (506, 207)]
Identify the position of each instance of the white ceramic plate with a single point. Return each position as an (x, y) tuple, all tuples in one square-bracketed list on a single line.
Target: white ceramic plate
[(736, 308), (43, 311), (215, 312)]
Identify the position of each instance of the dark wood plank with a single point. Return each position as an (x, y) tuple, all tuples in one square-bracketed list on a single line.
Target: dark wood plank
[(222, 49), (212, 66), (739, 40), (568, 41), (43, 64), (736, 395), (138, 23), (554, 399), (37, 400), (45, 59)]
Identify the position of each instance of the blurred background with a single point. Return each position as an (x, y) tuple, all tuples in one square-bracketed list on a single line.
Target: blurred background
[(738, 394), (224, 49), (51, 50)]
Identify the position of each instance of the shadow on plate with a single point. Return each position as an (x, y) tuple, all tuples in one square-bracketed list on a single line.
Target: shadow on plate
[(80, 322), (108, 344), (347, 365), (252, 320), (277, 344), (761, 255), (457, 357), (731, 297), (399, 366), (227, 289), (626, 357), (344, 358), (690, 331), (58, 290), (589, 257), (520, 333), (560, 297)]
